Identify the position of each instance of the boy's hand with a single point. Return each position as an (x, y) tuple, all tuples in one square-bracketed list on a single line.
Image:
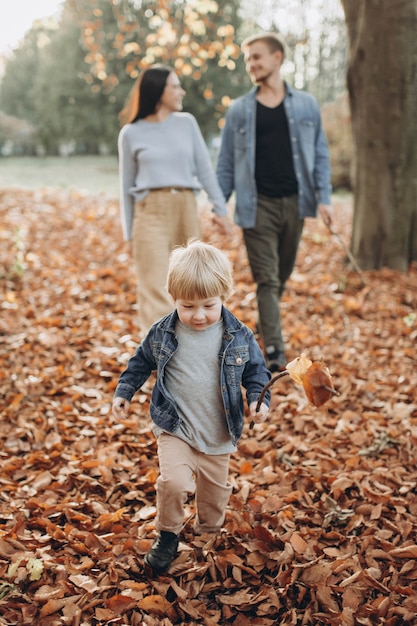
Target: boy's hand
[(258, 416), (120, 408)]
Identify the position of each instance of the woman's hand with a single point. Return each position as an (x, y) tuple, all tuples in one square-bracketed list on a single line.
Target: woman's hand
[(223, 223), (120, 408), (258, 416)]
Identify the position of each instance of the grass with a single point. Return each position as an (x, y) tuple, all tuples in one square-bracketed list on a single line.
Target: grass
[(93, 174)]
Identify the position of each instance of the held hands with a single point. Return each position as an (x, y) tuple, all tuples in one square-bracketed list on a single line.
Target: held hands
[(120, 408), (259, 416)]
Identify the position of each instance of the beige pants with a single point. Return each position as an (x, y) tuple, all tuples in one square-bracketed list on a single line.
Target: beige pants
[(185, 471), (162, 220)]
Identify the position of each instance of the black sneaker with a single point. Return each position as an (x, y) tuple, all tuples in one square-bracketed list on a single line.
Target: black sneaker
[(163, 552), (275, 359)]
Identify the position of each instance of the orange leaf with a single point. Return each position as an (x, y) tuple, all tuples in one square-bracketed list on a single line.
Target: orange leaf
[(15, 403), (318, 384), (119, 603), (246, 467), (156, 604), (106, 520), (52, 606)]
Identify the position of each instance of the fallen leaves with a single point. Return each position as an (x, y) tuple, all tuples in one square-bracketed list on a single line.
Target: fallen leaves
[(321, 523)]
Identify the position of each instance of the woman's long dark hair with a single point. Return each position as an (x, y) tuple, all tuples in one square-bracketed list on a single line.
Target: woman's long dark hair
[(145, 94)]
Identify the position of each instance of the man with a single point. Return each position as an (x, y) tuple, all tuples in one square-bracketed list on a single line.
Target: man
[(275, 156)]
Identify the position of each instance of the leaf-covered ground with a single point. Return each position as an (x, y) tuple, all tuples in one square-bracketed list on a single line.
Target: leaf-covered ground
[(321, 527)]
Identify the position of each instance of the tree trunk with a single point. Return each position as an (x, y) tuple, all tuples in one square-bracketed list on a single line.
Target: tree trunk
[(382, 85)]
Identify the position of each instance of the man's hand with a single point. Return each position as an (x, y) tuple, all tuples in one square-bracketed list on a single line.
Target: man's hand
[(120, 408), (258, 416), (326, 213), (223, 224)]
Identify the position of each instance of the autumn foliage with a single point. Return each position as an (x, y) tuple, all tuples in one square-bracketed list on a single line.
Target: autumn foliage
[(321, 524), (186, 36)]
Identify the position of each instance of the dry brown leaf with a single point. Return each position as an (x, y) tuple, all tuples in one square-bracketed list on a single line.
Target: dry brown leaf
[(404, 552), (158, 605), (298, 543)]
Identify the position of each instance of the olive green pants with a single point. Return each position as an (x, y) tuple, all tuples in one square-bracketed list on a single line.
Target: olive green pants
[(272, 249)]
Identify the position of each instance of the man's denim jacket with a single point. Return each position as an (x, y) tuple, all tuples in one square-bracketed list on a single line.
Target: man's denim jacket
[(241, 359), (236, 161)]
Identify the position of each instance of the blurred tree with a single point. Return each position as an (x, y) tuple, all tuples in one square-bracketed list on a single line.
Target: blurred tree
[(195, 37), (68, 108), (16, 89), (383, 100), (17, 137), (315, 32), (71, 81)]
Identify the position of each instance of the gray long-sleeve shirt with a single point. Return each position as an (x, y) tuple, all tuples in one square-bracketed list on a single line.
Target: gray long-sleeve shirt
[(192, 378), (171, 153)]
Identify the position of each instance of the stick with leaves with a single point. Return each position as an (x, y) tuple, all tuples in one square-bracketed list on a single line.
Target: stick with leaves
[(313, 376)]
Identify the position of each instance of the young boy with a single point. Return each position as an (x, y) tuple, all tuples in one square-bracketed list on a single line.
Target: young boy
[(202, 355)]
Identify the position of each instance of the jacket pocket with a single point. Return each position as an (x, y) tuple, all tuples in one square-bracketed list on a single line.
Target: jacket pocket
[(307, 130), (240, 139), (235, 361)]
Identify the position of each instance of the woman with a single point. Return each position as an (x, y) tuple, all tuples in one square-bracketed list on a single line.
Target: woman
[(164, 163)]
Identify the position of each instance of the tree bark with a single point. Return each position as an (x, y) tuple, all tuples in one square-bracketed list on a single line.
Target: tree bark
[(382, 85)]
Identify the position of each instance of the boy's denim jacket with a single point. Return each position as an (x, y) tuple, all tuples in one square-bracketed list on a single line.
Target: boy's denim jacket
[(236, 162), (241, 363)]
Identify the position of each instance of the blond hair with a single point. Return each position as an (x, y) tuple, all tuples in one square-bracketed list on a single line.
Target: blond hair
[(274, 41), (199, 271)]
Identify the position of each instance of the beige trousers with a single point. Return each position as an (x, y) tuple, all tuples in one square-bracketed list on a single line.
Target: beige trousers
[(185, 471), (162, 220)]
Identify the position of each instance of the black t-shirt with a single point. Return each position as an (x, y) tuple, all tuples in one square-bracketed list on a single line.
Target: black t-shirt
[(274, 167)]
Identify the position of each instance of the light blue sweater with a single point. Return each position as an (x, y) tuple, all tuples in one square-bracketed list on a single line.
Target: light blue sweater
[(171, 153)]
